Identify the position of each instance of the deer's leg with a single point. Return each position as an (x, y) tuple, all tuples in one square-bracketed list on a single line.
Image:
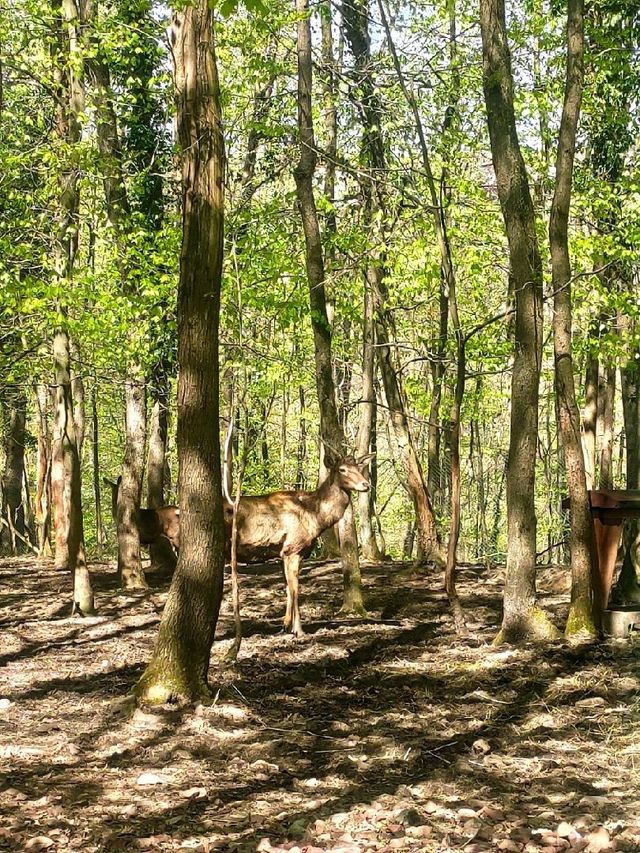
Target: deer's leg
[(292, 616)]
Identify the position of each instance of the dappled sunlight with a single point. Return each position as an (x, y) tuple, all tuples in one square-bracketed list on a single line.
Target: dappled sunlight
[(380, 734)]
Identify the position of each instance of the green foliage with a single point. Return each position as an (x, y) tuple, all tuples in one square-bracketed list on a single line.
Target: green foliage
[(266, 339)]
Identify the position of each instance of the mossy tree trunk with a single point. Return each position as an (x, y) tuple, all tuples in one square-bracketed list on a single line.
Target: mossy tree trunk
[(179, 666)]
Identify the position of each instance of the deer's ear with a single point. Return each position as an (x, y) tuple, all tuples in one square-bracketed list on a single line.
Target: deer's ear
[(362, 460)]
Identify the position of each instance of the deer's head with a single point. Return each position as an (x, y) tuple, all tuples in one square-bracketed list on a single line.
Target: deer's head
[(348, 474)]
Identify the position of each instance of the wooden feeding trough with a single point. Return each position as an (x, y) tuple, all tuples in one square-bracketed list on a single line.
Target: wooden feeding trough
[(610, 508)]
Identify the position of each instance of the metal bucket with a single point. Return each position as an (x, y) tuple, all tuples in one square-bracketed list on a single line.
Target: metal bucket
[(621, 621)]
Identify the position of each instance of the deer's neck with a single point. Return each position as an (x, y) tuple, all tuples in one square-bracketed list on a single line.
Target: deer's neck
[(332, 503)]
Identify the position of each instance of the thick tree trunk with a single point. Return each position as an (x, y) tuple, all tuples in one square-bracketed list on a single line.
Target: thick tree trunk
[(581, 613), (179, 666), (14, 412), (330, 428), (522, 619)]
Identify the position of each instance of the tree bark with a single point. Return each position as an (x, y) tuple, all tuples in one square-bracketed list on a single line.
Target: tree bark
[(65, 466), (522, 619), (331, 431), (95, 459), (161, 552), (590, 418), (14, 410), (368, 408), (64, 438), (178, 669), (43, 478), (608, 414), (130, 573), (581, 611)]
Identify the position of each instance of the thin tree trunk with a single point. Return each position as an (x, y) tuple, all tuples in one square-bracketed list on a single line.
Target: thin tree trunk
[(65, 439), (161, 553), (590, 419), (77, 389), (330, 428), (179, 666), (437, 366), (43, 479), (130, 571), (630, 388), (301, 454), (449, 278), (65, 466), (581, 611), (95, 459), (368, 408), (608, 414), (355, 15), (477, 466), (522, 619)]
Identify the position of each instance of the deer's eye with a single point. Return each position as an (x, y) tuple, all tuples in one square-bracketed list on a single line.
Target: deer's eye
[(342, 469)]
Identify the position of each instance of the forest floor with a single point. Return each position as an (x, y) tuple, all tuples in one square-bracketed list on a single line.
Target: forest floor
[(387, 735)]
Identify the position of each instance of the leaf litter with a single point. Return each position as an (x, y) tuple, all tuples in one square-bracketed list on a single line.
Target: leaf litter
[(388, 734)]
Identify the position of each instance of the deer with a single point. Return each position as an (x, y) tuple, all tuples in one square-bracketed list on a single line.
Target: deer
[(286, 524), (153, 524)]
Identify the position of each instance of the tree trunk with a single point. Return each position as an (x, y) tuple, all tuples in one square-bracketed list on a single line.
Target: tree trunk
[(630, 388), (161, 552), (581, 610), (70, 523), (370, 550), (65, 465), (608, 414), (77, 388), (437, 366), (95, 459), (14, 412), (590, 419), (43, 478), (330, 428), (130, 571), (355, 17), (477, 466), (179, 666), (522, 619)]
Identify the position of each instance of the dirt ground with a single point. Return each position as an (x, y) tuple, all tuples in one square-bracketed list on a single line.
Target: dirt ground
[(387, 735)]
